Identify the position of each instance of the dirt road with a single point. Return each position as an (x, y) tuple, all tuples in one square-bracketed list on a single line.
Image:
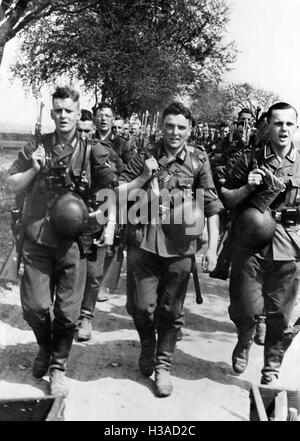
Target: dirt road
[(103, 378)]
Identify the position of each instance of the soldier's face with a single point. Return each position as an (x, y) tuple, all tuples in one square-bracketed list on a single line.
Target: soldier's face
[(87, 128), (117, 127), (224, 132), (104, 119), (176, 130), (205, 133), (135, 129), (282, 127), (244, 116), (65, 114)]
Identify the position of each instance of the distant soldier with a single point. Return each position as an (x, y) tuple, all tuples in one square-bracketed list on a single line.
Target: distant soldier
[(104, 118), (138, 139), (118, 126), (207, 140), (99, 246)]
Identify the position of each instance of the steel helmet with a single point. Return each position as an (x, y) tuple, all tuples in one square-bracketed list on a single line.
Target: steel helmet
[(185, 223), (254, 229), (69, 216)]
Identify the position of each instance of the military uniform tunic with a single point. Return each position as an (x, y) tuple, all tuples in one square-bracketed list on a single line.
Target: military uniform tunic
[(158, 267), (267, 279), (53, 265)]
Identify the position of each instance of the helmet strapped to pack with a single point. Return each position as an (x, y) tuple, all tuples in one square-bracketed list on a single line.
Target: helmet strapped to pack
[(254, 229), (185, 222), (69, 215)]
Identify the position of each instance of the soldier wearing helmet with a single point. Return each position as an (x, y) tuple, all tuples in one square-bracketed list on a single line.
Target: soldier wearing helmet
[(263, 189), (59, 175), (169, 177)]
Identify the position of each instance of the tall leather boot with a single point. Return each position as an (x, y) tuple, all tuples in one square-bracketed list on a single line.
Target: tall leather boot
[(148, 345), (240, 355), (166, 344), (61, 347), (275, 348), (43, 336)]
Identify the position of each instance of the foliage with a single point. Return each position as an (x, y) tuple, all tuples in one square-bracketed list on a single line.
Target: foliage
[(136, 53), (246, 95), (215, 103), (6, 197), (16, 15)]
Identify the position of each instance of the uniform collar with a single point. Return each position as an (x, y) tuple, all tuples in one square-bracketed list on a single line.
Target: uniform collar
[(108, 138), (180, 156), (269, 153), (291, 156)]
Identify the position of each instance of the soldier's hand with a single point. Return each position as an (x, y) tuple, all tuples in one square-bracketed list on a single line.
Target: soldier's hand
[(209, 260), (38, 158), (255, 178), (150, 167), (272, 181)]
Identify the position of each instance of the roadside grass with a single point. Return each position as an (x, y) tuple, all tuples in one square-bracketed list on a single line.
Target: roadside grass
[(6, 197)]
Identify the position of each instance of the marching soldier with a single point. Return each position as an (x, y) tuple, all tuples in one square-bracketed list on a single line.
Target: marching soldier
[(98, 249), (58, 176), (263, 189), (104, 118), (160, 252)]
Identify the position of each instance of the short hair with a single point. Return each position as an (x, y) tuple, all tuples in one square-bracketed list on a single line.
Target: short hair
[(177, 108), (101, 106), (245, 110), (86, 115), (63, 92), (280, 106)]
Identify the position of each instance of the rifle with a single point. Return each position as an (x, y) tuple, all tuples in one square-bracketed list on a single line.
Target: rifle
[(20, 217), (29, 197), (194, 271)]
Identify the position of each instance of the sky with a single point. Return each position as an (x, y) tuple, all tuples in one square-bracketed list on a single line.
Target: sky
[(267, 34)]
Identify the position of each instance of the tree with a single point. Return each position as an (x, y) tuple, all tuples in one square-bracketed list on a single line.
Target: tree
[(16, 15), (246, 95), (137, 53), (213, 103)]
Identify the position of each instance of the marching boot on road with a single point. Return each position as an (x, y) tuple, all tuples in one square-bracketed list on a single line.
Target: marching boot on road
[(262, 193), (159, 253)]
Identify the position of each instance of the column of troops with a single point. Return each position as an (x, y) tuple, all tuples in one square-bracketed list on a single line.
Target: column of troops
[(96, 176)]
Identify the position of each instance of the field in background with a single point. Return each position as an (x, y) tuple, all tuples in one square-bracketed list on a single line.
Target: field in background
[(6, 203)]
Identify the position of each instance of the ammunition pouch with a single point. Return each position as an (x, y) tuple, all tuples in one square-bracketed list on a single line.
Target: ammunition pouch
[(288, 217)]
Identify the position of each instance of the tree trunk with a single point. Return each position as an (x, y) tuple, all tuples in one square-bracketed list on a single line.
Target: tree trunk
[(2, 46)]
